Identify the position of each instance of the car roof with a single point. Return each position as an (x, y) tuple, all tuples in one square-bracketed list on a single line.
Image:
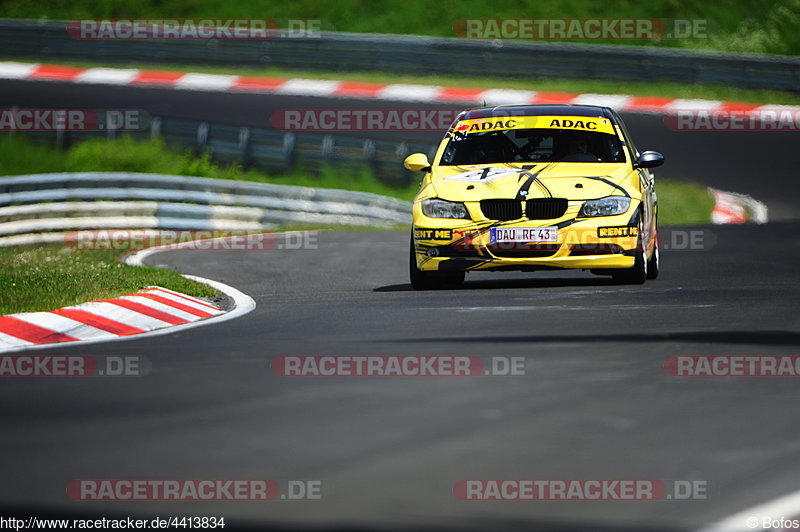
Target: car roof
[(538, 110)]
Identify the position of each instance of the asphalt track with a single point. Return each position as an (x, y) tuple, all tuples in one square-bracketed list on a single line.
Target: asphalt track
[(595, 401)]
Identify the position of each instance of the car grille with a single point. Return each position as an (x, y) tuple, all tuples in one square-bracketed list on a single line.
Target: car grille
[(545, 208), (523, 251), (455, 251), (582, 250), (535, 209), (502, 209)]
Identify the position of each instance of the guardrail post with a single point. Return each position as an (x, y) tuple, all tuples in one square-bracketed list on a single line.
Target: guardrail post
[(155, 127), (244, 145), (399, 174), (401, 150), (328, 147), (111, 130), (368, 155), (13, 132), (289, 141), (202, 136), (328, 150), (61, 140)]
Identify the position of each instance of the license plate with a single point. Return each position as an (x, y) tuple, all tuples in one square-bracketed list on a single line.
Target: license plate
[(524, 234)]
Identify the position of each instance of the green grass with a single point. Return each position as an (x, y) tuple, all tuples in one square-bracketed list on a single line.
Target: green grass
[(18, 156), (48, 277), (154, 156), (759, 26), (633, 88), (683, 203)]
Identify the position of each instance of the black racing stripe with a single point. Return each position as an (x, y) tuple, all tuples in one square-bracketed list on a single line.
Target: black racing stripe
[(544, 188), (522, 193), (524, 171), (567, 223)]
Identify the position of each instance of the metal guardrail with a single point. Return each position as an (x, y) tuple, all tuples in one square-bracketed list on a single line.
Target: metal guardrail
[(39, 208), (273, 151), (405, 54)]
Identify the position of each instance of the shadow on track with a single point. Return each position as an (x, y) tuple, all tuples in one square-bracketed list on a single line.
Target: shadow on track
[(714, 337), (559, 282)]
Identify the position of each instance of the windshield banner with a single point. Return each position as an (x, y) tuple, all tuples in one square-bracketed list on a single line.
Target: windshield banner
[(495, 123)]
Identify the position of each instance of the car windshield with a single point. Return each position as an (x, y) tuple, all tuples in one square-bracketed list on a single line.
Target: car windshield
[(532, 145)]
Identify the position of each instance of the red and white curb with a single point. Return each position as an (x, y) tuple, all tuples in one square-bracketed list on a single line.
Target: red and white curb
[(361, 90), (735, 208), (149, 312)]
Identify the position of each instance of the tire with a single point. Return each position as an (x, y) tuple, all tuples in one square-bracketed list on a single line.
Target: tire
[(422, 280), (655, 261), (638, 274)]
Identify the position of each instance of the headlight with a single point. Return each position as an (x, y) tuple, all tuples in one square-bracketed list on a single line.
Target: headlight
[(438, 208), (605, 206)]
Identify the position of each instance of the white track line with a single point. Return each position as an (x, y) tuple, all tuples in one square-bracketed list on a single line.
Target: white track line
[(787, 507)]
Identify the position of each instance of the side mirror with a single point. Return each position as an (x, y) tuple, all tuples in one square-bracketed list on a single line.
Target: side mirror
[(649, 159), (417, 162)]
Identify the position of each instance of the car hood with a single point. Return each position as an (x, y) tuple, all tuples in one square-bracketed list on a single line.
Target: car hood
[(575, 181)]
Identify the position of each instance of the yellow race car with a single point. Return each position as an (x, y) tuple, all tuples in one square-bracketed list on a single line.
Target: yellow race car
[(535, 187)]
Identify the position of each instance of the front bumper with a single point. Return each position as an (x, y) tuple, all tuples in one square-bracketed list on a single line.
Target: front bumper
[(607, 242)]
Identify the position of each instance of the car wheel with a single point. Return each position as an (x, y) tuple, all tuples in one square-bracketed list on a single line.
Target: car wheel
[(422, 280), (638, 274), (655, 261)]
